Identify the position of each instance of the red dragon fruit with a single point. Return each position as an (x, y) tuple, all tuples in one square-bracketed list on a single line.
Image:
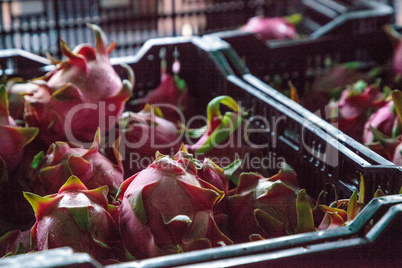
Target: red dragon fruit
[(333, 80), (225, 138), (171, 96), (261, 208), (223, 135), (390, 146), (275, 28), (63, 160), (167, 209), (384, 120), (14, 138), (80, 95), (78, 218), (142, 135), (353, 106), (15, 242), (220, 177)]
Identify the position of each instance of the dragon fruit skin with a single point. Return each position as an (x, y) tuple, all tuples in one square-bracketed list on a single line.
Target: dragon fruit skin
[(353, 106), (63, 160), (385, 145), (14, 138), (266, 28), (144, 133), (171, 98), (167, 209), (82, 94), (268, 207), (15, 242), (384, 120), (75, 217)]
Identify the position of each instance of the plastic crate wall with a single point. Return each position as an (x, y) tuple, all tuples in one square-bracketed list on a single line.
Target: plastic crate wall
[(37, 25)]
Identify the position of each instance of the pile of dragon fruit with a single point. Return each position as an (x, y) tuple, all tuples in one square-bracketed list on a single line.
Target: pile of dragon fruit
[(58, 176)]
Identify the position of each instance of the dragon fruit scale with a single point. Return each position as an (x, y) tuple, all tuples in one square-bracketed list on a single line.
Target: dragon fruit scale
[(78, 218), (14, 138), (80, 95), (144, 133), (63, 160), (167, 209)]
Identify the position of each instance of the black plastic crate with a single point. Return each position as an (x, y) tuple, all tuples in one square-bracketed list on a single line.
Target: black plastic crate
[(37, 25), (301, 61), (317, 156)]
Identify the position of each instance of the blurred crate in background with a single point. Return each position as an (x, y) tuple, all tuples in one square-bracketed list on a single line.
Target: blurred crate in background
[(37, 25)]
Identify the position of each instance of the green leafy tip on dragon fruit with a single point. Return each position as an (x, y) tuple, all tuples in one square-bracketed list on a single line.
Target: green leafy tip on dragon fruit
[(143, 134), (219, 127), (63, 160), (342, 212), (261, 208), (80, 95), (167, 208), (78, 218), (14, 138)]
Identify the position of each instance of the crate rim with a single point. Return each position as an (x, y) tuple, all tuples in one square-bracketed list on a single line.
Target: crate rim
[(377, 10), (278, 245)]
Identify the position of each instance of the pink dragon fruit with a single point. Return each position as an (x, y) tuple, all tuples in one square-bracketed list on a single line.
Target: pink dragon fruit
[(353, 106), (333, 80), (78, 218), (171, 96), (225, 138), (144, 133), (167, 209), (220, 135), (80, 95), (220, 178), (390, 147), (15, 242), (14, 138), (261, 208), (63, 160), (275, 28), (384, 120)]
